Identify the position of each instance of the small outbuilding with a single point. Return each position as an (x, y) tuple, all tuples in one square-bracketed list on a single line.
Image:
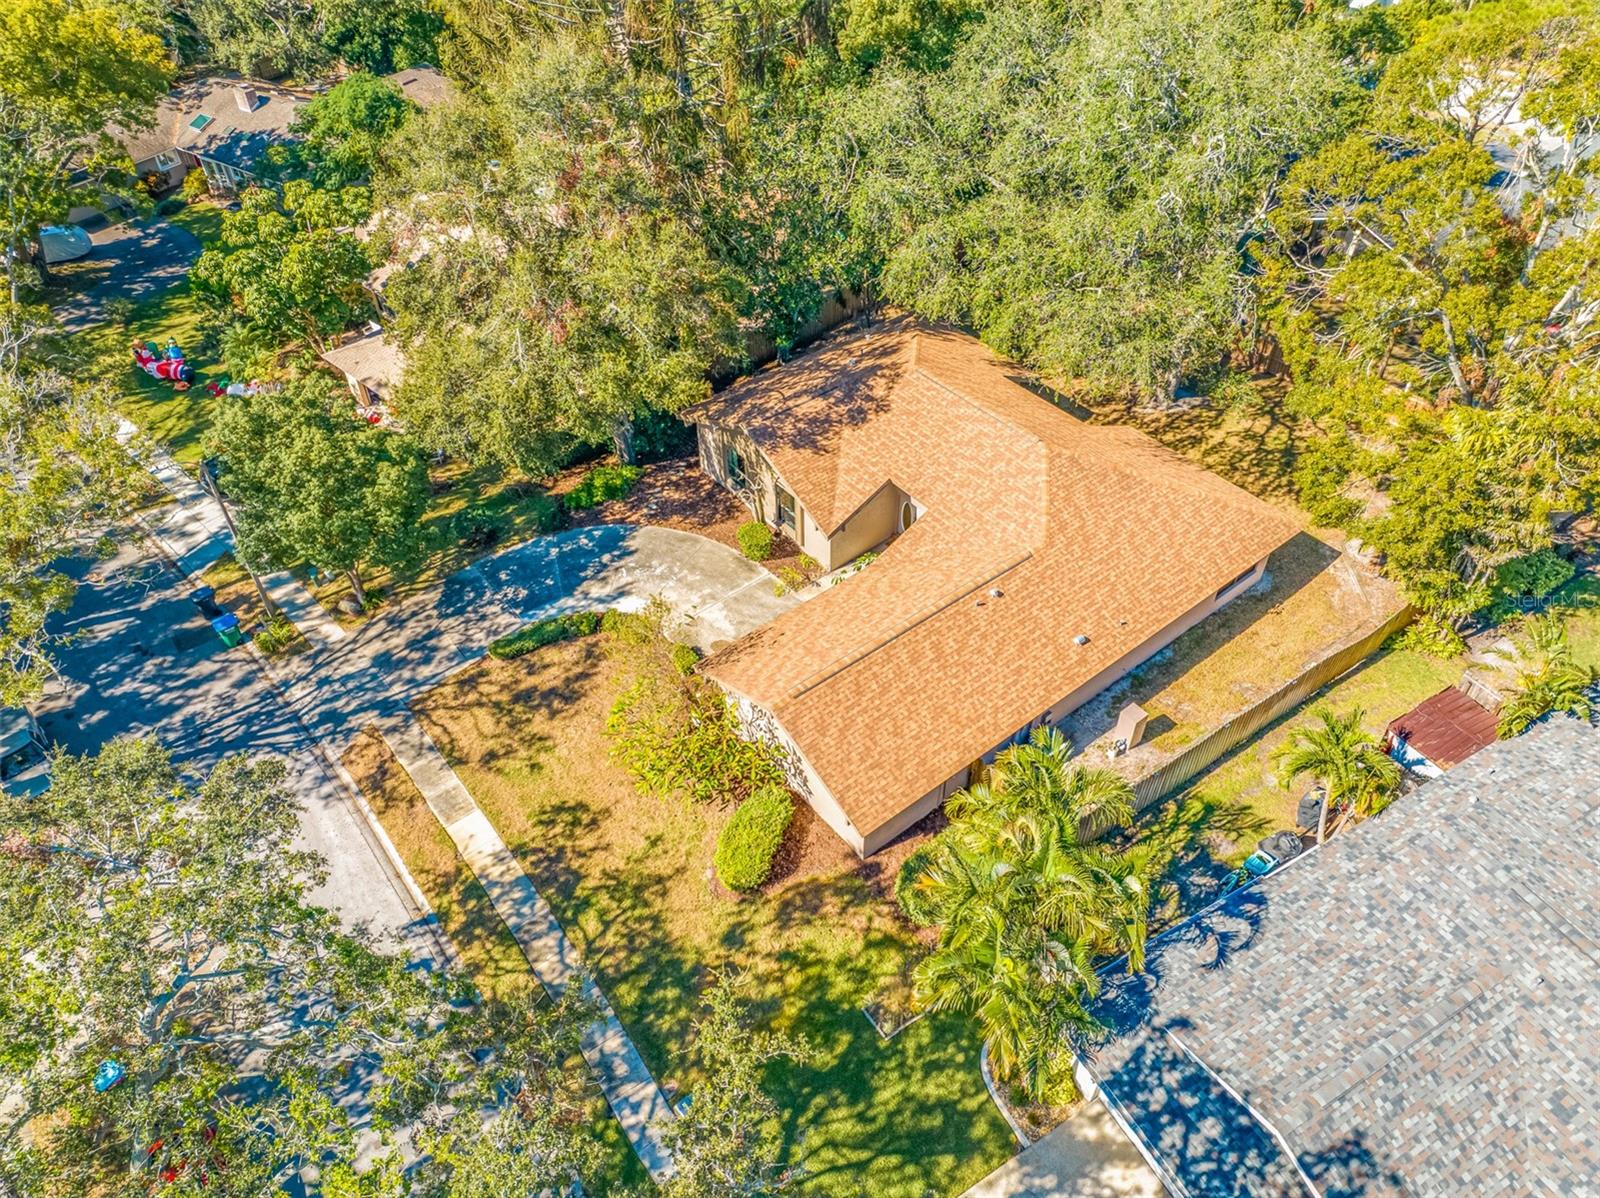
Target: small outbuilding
[(1440, 732)]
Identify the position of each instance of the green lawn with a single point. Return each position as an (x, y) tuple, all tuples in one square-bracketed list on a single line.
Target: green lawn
[(627, 876), (1579, 603), (177, 419), (1196, 837)]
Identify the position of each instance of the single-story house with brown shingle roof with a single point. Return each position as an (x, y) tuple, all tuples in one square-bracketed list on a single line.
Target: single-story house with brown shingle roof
[(1030, 560)]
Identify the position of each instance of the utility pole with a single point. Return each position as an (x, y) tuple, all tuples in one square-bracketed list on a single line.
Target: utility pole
[(209, 481)]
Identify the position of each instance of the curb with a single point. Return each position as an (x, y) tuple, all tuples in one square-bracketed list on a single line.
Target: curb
[(423, 913), (1000, 1105)]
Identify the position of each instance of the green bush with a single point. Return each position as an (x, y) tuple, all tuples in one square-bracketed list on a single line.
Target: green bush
[(913, 899), (750, 840), (685, 658), (195, 184), (755, 540), (600, 484), (545, 632), (1431, 636), (1537, 574), (171, 206), (276, 636)]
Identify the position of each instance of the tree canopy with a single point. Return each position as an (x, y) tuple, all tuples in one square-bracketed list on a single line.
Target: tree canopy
[(314, 484), (1029, 906), (70, 70), (64, 474), (288, 268)]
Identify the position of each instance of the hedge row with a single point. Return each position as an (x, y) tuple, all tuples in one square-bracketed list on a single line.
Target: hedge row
[(749, 841), (546, 632)]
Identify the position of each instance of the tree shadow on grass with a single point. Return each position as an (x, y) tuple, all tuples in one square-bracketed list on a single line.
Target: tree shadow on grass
[(1181, 847)]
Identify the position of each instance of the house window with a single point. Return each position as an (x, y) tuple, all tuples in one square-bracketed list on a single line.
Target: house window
[(1242, 578), (735, 465), (166, 160), (786, 511)]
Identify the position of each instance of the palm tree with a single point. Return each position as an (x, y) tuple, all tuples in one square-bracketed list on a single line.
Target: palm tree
[(1346, 759), (1030, 902), (1556, 683)]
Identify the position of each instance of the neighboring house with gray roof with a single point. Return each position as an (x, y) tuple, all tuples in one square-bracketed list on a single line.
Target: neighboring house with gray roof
[(220, 124), (223, 124), (1410, 1010)]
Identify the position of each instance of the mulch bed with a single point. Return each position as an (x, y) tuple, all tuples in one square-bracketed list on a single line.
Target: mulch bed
[(674, 494)]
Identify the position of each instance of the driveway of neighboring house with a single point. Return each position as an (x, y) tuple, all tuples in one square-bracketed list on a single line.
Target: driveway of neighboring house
[(1085, 1157), (134, 260)]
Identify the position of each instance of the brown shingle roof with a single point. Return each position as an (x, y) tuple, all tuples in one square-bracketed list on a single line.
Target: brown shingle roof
[(893, 680), (1447, 728)]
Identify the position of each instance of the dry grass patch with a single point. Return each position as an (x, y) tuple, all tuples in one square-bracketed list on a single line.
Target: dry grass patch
[(628, 876), (1319, 600), (488, 952)]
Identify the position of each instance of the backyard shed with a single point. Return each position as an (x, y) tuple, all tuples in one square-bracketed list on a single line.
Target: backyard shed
[(1441, 731)]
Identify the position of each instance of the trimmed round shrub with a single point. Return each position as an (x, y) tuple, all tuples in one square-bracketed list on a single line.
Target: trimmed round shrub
[(915, 903), (755, 540), (749, 841)]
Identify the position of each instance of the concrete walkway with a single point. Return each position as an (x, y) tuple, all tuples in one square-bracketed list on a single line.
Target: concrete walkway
[(636, 1100), (193, 532), (300, 607), (371, 677), (1085, 1157)]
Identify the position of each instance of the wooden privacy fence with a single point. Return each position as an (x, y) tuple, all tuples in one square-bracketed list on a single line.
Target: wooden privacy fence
[(1167, 778)]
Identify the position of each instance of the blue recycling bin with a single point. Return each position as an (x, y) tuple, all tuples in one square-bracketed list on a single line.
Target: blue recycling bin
[(227, 627)]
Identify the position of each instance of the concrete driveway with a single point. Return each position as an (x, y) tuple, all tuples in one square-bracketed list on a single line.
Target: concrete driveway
[(1085, 1157), (134, 260), (714, 593)]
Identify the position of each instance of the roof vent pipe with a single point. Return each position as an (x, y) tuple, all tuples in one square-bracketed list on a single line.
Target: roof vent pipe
[(1080, 639)]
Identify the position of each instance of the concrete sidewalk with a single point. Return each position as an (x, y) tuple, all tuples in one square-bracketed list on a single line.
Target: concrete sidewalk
[(635, 1098), (193, 532), (1085, 1157)]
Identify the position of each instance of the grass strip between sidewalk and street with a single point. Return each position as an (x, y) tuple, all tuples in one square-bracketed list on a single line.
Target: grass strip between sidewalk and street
[(488, 953)]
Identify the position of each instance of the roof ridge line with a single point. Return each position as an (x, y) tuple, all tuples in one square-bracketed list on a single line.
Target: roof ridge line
[(921, 615)]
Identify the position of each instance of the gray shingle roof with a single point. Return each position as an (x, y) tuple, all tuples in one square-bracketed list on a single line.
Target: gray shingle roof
[(231, 134), (423, 86), (1412, 1008)]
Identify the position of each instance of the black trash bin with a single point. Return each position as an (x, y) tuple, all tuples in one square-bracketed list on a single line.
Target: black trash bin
[(205, 599)]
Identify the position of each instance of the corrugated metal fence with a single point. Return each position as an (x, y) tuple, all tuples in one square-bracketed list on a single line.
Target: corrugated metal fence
[(1247, 723)]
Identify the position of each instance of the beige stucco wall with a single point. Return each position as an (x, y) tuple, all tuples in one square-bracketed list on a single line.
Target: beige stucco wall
[(761, 724), (874, 522), (870, 524)]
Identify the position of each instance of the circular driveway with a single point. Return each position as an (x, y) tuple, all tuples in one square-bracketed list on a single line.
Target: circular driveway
[(134, 260)]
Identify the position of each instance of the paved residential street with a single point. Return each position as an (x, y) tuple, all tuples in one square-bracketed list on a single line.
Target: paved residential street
[(146, 662)]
